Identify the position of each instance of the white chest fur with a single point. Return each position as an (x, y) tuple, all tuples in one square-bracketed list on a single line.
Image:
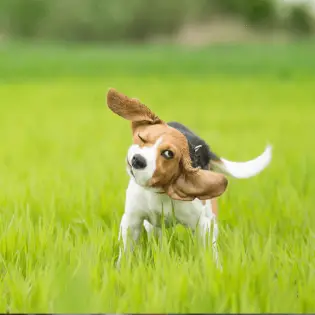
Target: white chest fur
[(147, 207), (153, 207)]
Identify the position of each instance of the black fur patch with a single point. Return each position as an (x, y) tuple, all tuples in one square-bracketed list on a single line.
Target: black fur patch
[(200, 157)]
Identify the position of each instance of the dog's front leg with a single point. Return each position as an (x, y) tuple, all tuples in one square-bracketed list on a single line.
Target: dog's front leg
[(130, 225), (152, 230)]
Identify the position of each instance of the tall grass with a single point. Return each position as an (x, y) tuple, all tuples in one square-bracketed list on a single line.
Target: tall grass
[(63, 180)]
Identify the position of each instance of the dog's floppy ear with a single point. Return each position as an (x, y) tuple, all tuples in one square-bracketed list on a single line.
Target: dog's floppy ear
[(197, 183), (130, 108), (201, 184)]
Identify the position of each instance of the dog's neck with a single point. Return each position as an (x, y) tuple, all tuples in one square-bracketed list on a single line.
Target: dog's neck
[(155, 190)]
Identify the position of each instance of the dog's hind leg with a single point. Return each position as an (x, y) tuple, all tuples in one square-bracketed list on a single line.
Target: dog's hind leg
[(213, 214), (215, 234), (204, 228)]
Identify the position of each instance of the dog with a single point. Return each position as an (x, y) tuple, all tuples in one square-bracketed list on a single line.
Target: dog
[(175, 178)]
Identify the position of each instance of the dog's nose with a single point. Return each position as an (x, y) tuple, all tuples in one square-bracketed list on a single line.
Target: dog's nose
[(138, 162)]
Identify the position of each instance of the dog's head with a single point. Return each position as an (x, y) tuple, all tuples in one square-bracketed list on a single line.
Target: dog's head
[(159, 156)]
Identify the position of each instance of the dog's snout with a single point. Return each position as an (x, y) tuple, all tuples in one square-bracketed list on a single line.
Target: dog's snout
[(138, 162)]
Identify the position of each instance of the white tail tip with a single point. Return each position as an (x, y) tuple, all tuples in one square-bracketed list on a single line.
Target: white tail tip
[(244, 169)]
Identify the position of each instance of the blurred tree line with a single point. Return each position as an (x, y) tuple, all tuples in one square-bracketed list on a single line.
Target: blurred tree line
[(109, 20)]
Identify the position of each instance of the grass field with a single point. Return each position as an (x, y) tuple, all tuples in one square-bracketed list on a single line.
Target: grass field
[(63, 179)]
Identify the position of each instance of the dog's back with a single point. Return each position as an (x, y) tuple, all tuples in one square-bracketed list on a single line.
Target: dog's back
[(200, 152)]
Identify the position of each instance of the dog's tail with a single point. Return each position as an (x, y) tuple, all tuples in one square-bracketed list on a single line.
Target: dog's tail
[(242, 169)]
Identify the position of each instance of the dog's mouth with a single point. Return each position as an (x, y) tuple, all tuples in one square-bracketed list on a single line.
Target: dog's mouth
[(131, 172), (130, 169)]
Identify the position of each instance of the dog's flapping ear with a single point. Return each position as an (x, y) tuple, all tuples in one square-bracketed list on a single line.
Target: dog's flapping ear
[(200, 184), (196, 183), (130, 108)]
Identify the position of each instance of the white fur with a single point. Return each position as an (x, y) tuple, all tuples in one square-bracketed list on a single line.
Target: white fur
[(244, 169), (145, 207)]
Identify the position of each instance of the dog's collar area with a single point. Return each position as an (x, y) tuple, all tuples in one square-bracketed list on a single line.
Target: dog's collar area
[(160, 192), (155, 190)]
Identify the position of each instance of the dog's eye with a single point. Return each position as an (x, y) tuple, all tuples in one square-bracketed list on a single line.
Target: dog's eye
[(168, 154)]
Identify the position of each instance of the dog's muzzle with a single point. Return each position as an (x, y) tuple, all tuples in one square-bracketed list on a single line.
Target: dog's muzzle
[(138, 162)]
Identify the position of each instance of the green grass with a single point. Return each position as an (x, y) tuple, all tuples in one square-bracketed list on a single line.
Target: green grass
[(63, 179)]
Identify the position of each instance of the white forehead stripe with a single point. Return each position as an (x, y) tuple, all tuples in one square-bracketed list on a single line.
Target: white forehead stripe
[(158, 142)]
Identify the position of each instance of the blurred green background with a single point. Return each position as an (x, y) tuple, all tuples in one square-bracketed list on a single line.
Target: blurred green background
[(118, 20), (239, 73)]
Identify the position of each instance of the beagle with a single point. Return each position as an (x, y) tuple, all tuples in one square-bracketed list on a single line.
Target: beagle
[(174, 176)]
